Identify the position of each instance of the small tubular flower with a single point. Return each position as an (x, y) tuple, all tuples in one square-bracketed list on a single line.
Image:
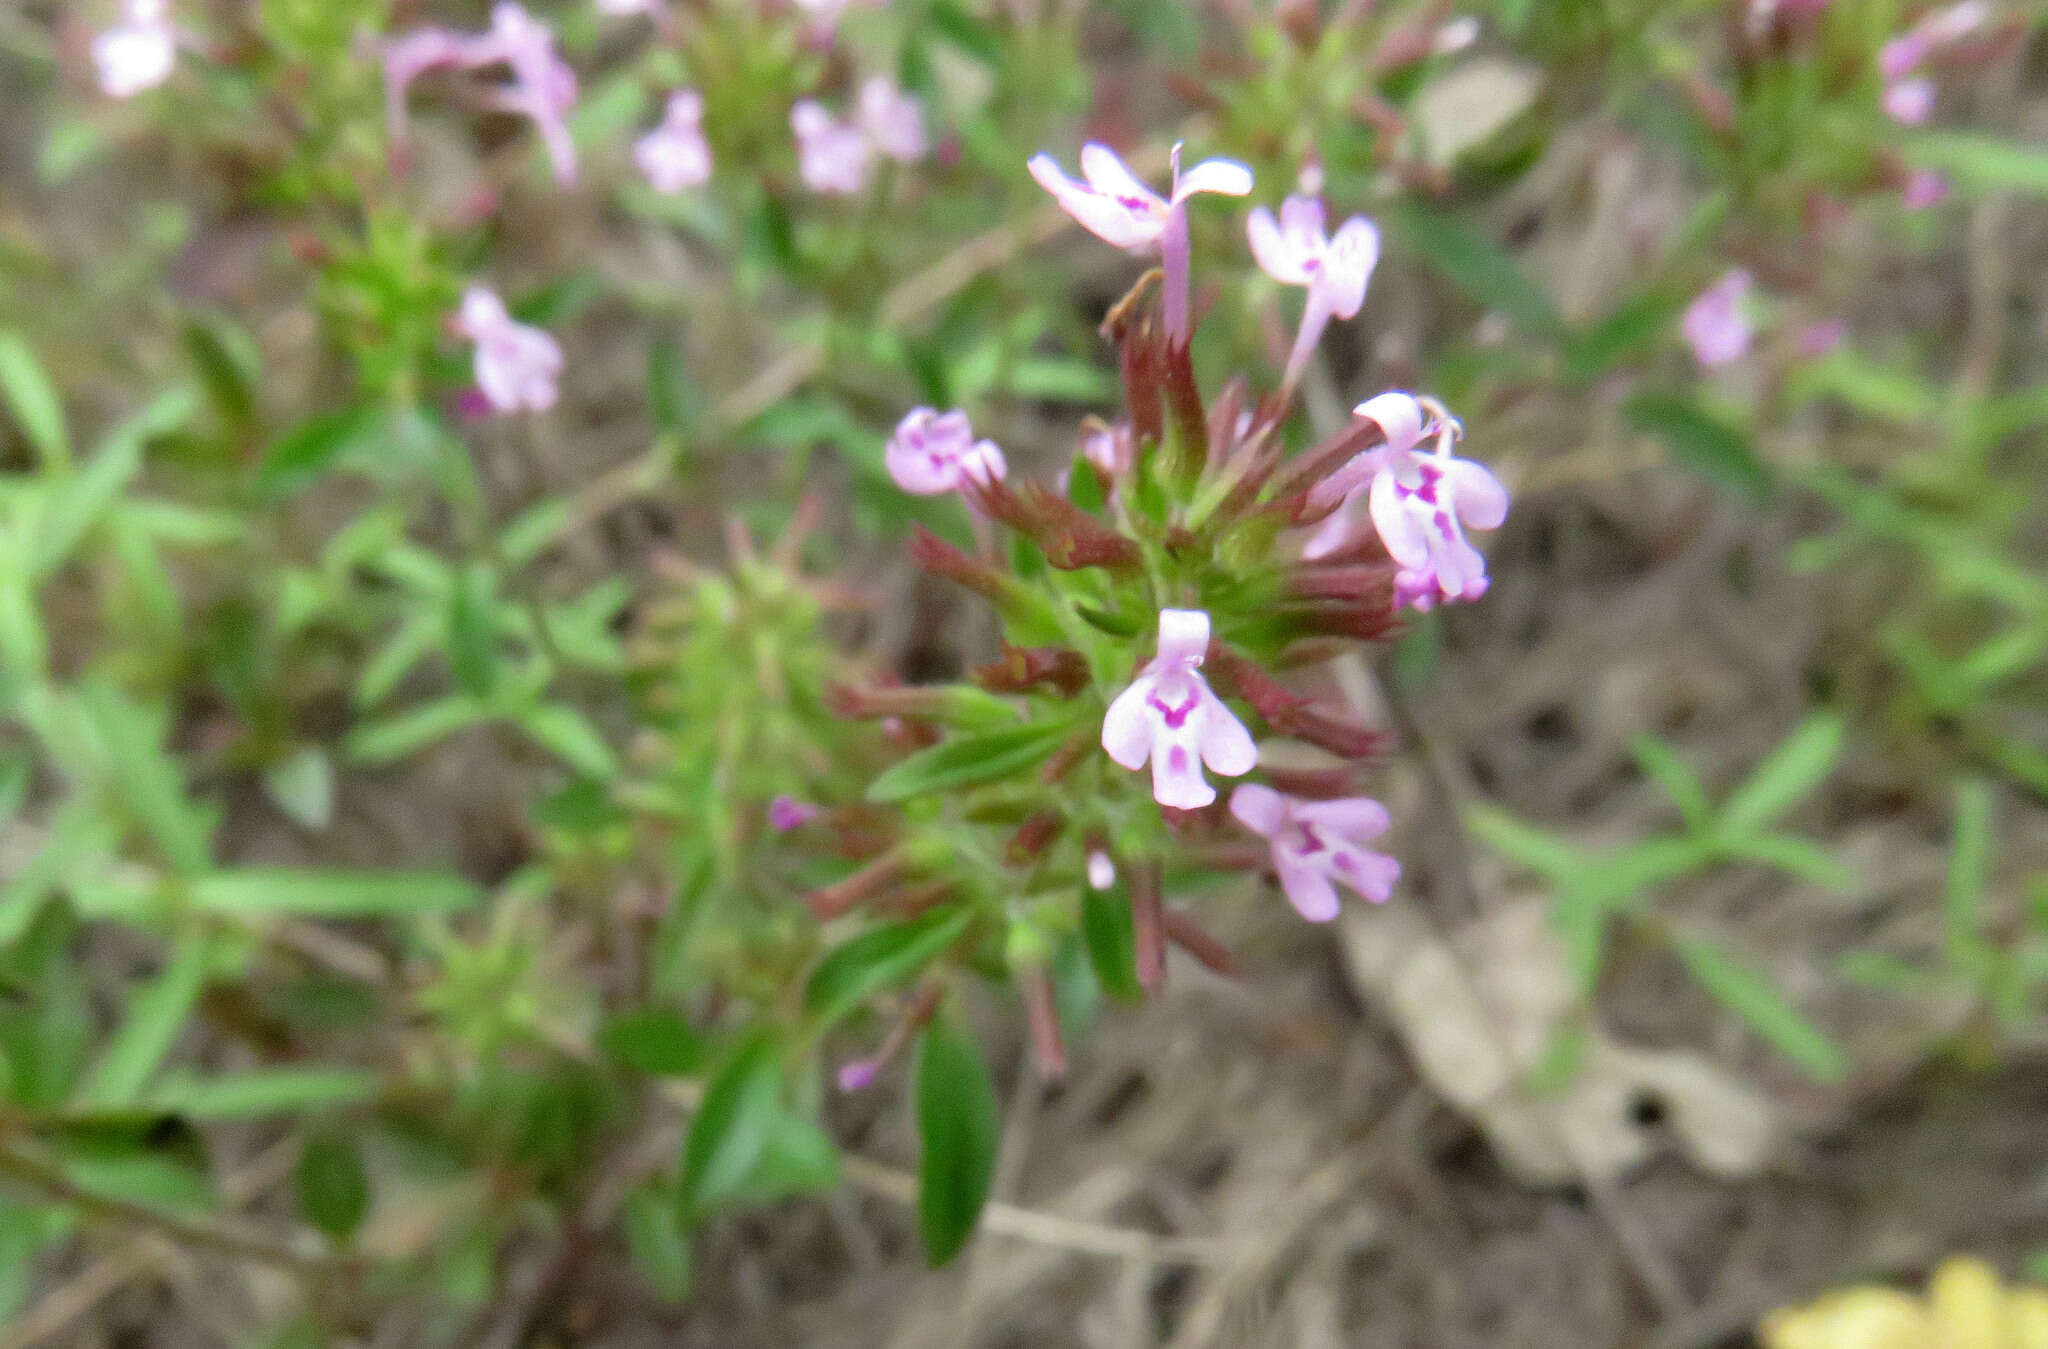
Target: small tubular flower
[(516, 365), (832, 157), (1716, 326), (1924, 188), (675, 156), (1421, 502), (1170, 716), (935, 452), (891, 119), (138, 53), (1294, 251), (1115, 206), (1319, 845), (1910, 50)]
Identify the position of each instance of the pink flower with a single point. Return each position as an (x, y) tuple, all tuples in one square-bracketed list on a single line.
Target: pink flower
[(516, 365), (137, 54), (1170, 716), (1294, 252), (543, 87), (891, 119), (1909, 102), (1907, 52), (1924, 188), (1115, 207), (934, 452), (624, 8), (832, 156), (1101, 871), (1715, 324), (1107, 446), (1421, 503), (674, 156), (1318, 845), (1819, 338), (785, 813)]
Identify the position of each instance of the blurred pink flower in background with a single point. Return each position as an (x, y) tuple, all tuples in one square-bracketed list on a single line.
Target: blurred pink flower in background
[(1924, 188), (1716, 325), (1293, 251), (785, 813), (1820, 338), (891, 119), (1170, 716), (934, 452), (1318, 845), (624, 8), (832, 156), (1906, 53), (675, 156), (516, 365), (138, 53), (543, 87), (1118, 209), (1909, 102)]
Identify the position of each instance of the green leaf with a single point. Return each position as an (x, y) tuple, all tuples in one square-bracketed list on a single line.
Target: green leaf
[(1701, 441), (878, 958), (83, 500), (1662, 764), (1487, 273), (1751, 997), (1969, 870), (1788, 773), (262, 892), (966, 760), (297, 459), (33, 400), (1563, 1051), (732, 1126), (302, 787), (652, 1041), (261, 1091), (148, 779), (395, 736), (799, 1158), (958, 1130), (473, 629), (1589, 354), (1982, 163), (657, 1244), (1796, 856), (1542, 852), (154, 1018), (1112, 946), (568, 734), (334, 1189)]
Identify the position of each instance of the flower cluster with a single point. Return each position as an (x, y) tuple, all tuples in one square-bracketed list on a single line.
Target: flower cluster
[(1183, 525), (836, 157), (542, 86)]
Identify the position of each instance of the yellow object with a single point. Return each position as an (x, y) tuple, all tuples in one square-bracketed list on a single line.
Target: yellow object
[(1966, 1307)]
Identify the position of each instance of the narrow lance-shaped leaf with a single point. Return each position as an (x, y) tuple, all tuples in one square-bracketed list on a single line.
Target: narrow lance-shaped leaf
[(33, 400), (154, 1017), (1763, 1009), (958, 1130), (1791, 771)]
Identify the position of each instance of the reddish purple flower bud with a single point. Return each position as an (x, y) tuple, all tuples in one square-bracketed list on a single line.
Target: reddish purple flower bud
[(1909, 102), (1034, 836), (1027, 667), (786, 813), (1290, 713), (831, 901), (1189, 936), (1069, 537)]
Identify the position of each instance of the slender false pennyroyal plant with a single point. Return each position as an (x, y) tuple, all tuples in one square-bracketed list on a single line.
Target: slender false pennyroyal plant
[(1150, 609)]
